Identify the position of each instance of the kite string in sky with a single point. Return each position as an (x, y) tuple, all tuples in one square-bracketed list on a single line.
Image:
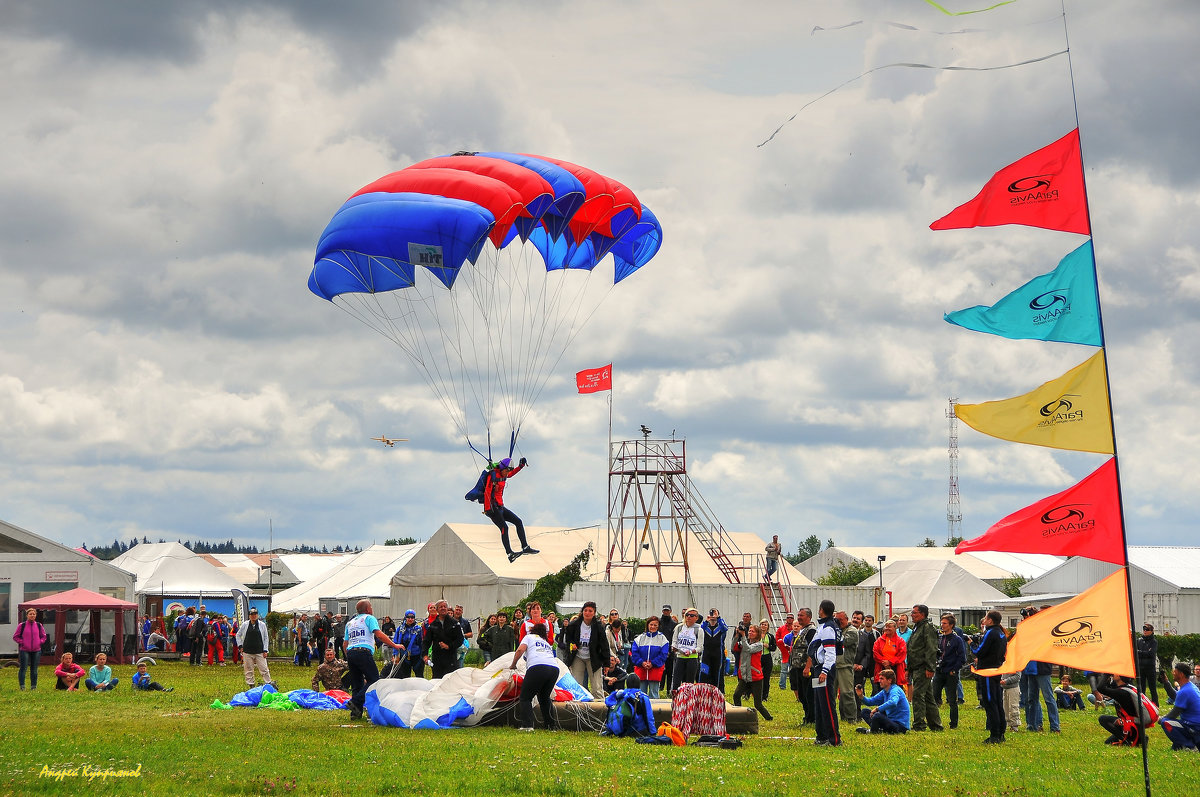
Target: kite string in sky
[(910, 66), (964, 13)]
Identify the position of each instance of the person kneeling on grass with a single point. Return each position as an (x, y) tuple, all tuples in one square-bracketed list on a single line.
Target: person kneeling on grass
[(891, 713), (142, 682), (1182, 724), (100, 677), (69, 674), (1127, 727)]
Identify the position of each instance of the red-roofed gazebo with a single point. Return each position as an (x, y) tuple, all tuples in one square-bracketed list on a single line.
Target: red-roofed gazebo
[(84, 600)]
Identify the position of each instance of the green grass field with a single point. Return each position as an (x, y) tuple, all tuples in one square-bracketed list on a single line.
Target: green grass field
[(184, 747)]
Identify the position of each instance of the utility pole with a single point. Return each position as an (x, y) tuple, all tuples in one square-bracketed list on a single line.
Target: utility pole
[(953, 507)]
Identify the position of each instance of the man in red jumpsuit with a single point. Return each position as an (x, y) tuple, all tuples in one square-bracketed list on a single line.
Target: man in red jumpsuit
[(497, 512)]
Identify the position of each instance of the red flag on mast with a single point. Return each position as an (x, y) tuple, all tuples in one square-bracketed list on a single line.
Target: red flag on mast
[(1084, 520), (1043, 189), (594, 380)]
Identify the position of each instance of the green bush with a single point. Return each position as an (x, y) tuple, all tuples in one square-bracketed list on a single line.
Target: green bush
[(1176, 647)]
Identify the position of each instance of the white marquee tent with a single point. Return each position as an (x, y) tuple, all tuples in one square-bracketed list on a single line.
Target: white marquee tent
[(465, 563), (941, 585), (367, 574)]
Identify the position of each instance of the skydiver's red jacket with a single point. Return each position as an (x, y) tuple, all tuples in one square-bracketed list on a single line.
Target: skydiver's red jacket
[(493, 488)]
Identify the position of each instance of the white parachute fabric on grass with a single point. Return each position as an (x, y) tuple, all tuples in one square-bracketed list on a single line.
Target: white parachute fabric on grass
[(464, 697)]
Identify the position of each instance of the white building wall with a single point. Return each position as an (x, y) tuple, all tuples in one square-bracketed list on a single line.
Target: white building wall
[(1173, 610)]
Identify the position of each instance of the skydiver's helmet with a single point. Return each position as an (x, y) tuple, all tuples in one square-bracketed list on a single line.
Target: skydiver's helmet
[(505, 463)]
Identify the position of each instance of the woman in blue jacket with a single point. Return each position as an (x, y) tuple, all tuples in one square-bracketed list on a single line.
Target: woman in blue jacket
[(649, 654)]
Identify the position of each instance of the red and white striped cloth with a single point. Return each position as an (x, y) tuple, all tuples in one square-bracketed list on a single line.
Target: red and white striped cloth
[(698, 709)]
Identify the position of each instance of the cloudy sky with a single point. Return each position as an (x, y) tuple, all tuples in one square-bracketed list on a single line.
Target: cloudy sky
[(166, 169)]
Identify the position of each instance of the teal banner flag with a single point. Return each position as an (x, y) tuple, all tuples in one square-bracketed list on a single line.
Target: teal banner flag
[(1060, 306)]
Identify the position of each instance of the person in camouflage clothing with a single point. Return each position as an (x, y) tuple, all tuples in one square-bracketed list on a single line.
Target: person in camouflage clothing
[(329, 673)]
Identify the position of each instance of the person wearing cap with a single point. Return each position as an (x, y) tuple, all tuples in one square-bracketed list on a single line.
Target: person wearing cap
[(1182, 724), (1147, 661), (666, 626), (686, 644), (409, 637), (252, 639), (497, 512), (712, 656)]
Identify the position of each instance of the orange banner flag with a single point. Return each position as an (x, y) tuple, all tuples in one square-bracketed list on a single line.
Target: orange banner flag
[(1089, 632)]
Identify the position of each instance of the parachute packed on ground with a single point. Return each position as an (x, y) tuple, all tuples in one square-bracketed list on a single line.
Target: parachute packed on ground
[(479, 266)]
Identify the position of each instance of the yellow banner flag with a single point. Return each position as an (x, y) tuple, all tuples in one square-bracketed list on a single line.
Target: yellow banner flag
[(1089, 632), (1070, 412)]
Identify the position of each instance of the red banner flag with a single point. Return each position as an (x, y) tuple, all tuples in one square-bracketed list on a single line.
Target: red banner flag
[(594, 380), (1084, 520), (1043, 189)]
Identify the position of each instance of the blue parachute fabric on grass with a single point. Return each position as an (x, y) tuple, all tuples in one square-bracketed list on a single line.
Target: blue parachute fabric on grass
[(380, 715), (428, 725), (567, 681), (251, 697), (460, 710), (307, 698)]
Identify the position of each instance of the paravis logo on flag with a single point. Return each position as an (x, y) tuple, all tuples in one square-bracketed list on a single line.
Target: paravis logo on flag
[(1070, 412), (594, 380), (1044, 189), (1083, 520), (1089, 632), (1061, 306)]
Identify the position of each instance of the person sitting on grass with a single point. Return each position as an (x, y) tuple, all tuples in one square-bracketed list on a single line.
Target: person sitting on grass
[(69, 673), (332, 673), (1068, 697), (100, 677), (142, 683), (1182, 723), (615, 677), (891, 713)]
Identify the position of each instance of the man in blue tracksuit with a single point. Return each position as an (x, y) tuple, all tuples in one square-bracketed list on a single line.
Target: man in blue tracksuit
[(824, 651), (891, 714)]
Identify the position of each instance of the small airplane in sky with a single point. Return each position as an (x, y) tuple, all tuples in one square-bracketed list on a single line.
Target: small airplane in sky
[(390, 441)]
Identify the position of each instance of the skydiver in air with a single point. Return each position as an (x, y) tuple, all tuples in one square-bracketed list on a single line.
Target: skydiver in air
[(497, 512)]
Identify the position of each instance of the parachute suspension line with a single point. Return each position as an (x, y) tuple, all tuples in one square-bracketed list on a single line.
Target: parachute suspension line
[(367, 309), (577, 328)]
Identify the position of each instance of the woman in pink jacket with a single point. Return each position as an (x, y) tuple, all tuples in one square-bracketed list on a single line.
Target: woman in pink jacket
[(29, 636)]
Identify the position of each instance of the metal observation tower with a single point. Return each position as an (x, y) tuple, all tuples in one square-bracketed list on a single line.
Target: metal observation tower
[(657, 520)]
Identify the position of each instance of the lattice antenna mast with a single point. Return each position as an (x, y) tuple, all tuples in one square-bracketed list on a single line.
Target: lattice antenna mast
[(953, 507)]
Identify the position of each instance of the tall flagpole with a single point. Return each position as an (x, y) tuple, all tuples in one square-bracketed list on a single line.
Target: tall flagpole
[(1087, 206), (608, 478)]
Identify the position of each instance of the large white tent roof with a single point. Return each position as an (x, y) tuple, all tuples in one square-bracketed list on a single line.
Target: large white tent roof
[(938, 584), (472, 553), (994, 565), (171, 569), (367, 574), (306, 566)]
